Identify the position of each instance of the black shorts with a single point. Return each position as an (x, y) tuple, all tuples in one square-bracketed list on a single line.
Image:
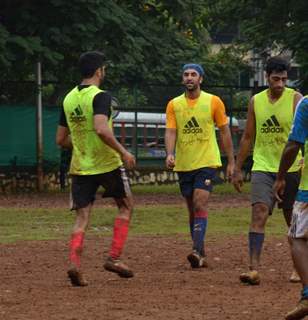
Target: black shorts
[(84, 188)]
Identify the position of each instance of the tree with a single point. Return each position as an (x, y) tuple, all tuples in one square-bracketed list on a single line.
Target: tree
[(146, 41), (266, 27)]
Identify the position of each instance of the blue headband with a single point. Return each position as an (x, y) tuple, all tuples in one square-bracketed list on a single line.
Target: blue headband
[(194, 66)]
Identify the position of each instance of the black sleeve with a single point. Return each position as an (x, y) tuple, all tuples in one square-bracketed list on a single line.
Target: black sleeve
[(62, 120), (102, 104)]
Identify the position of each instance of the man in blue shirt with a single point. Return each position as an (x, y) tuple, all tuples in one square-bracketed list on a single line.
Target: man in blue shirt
[(298, 232)]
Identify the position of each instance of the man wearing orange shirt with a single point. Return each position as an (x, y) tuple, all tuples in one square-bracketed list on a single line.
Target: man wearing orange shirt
[(192, 151)]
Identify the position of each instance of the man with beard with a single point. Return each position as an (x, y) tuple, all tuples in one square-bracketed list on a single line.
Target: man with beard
[(269, 120), (86, 127), (192, 151)]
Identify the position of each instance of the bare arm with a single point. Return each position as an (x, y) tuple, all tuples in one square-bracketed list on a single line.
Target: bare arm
[(288, 157), (225, 135), (245, 146), (247, 138), (170, 140), (107, 136), (63, 138), (297, 98)]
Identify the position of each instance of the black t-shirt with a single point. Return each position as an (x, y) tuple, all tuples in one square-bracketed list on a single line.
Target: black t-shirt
[(101, 105)]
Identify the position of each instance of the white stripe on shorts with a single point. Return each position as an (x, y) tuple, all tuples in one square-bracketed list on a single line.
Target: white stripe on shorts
[(125, 180)]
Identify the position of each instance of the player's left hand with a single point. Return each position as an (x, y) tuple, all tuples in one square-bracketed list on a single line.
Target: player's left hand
[(230, 171), (170, 161), (129, 160), (237, 179), (278, 188)]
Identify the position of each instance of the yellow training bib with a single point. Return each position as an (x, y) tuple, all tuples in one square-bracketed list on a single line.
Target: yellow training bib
[(196, 144), (273, 125)]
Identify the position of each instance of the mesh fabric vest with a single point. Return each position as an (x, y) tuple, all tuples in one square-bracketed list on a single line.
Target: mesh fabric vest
[(90, 154), (196, 144), (273, 124)]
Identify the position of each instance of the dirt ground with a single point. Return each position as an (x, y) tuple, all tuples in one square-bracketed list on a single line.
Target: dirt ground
[(61, 200), (33, 282)]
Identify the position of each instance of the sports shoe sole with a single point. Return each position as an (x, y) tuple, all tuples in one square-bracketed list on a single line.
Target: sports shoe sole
[(294, 279), (194, 261), (121, 272), (297, 314), (248, 280), (76, 278)]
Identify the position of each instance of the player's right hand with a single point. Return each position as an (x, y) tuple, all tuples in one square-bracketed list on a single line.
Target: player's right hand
[(237, 179), (170, 161), (128, 160), (278, 188)]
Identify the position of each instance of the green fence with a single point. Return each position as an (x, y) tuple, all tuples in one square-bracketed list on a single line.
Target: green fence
[(18, 123), (142, 136), (18, 135), (18, 138)]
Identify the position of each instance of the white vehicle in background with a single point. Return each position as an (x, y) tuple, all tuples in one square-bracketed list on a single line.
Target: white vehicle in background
[(144, 132)]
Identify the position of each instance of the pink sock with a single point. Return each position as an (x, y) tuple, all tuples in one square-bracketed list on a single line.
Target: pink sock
[(120, 231), (76, 246)]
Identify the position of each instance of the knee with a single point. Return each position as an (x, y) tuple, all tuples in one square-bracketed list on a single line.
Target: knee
[(126, 211), (200, 205), (82, 219), (259, 215), (299, 246), (81, 225)]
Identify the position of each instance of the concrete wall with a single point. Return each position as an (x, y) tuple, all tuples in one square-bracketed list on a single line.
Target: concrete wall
[(11, 182), (26, 181)]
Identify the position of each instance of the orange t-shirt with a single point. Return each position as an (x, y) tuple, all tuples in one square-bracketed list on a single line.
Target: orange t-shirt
[(218, 112)]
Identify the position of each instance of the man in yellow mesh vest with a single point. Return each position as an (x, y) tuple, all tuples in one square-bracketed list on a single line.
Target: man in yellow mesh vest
[(298, 231), (269, 120), (192, 151), (86, 126)]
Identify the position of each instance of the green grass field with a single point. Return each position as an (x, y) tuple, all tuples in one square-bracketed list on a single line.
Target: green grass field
[(17, 224), (224, 188)]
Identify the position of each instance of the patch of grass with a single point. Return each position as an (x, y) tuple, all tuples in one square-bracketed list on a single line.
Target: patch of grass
[(224, 188), (156, 189), (45, 224), (228, 188), (171, 189)]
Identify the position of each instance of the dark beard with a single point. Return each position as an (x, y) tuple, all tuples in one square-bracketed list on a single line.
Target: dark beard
[(190, 89)]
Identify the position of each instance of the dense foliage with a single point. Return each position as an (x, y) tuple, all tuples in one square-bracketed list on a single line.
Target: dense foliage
[(145, 41), (267, 27)]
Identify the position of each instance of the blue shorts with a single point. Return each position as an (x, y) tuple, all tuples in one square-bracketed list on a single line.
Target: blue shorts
[(197, 179)]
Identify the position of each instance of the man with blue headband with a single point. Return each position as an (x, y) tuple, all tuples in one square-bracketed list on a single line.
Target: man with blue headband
[(192, 151)]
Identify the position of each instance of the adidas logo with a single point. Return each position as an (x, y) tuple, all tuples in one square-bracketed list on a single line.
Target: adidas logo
[(77, 115), (192, 126), (271, 125)]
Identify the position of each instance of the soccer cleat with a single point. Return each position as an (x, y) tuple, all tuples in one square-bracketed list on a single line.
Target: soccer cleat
[(294, 278), (250, 277), (118, 267), (300, 311), (196, 260), (76, 278)]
